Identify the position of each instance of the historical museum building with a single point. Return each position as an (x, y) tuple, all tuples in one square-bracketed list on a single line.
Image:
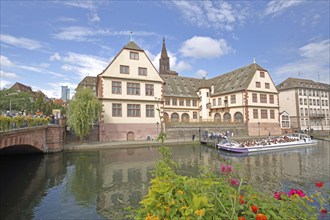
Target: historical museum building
[(246, 95), (306, 102), (131, 90)]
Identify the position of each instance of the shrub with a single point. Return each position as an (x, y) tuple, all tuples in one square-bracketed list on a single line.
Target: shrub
[(219, 195)]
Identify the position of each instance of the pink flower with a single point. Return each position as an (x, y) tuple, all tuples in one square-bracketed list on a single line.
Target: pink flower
[(234, 182), (225, 169), (277, 195), (299, 192)]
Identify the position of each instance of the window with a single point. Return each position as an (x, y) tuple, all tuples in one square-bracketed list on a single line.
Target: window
[(116, 87), (272, 114), (174, 101), (258, 84), (116, 110), (255, 113), (219, 101), (310, 102), (305, 101), (301, 111), (304, 91), (167, 102), (326, 102), (300, 101), (263, 98), (267, 86), (322, 102), (194, 102), (233, 99), (133, 110), (188, 102), (181, 102), (133, 88), (300, 91), (142, 71), (264, 114), (271, 99), (213, 102), (314, 103), (194, 115), (262, 74), (124, 69), (150, 111), (318, 102), (134, 55), (254, 97), (306, 112), (149, 89)]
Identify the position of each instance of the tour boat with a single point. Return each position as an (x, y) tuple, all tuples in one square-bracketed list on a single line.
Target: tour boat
[(275, 143)]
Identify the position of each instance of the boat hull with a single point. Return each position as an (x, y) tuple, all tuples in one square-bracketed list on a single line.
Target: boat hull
[(288, 145)]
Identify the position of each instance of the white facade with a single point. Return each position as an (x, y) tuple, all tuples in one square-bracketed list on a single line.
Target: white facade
[(307, 104), (130, 89)]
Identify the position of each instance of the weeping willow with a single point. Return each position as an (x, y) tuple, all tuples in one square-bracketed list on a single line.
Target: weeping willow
[(83, 111)]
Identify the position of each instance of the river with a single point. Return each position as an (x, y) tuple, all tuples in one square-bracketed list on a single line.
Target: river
[(100, 184)]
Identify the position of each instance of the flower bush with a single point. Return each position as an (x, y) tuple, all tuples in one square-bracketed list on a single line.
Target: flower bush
[(7, 123), (219, 195)]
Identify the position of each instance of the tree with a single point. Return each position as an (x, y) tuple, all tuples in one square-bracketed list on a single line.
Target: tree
[(83, 111)]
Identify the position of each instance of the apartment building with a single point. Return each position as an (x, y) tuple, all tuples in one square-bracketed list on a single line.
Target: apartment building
[(130, 90), (88, 82), (307, 103)]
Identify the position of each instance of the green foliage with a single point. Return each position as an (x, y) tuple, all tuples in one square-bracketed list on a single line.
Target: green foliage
[(214, 195), (83, 112), (8, 123)]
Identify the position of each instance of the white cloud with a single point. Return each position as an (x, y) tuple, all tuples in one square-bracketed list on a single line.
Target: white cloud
[(313, 61), (5, 62), (20, 42), (54, 89), (276, 7), (83, 64), (8, 74), (40, 69), (89, 5), (55, 56), (201, 73), (4, 84), (205, 47), (218, 14), (80, 33)]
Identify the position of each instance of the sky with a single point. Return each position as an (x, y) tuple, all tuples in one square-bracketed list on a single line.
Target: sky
[(49, 44)]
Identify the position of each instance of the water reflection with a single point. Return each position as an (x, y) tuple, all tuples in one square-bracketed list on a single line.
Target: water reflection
[(101, 184)]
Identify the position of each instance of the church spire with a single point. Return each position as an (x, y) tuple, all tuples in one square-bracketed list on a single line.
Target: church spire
[(164, 61)]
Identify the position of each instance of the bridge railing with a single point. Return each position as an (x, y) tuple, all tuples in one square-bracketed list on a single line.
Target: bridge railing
[(12, 123)]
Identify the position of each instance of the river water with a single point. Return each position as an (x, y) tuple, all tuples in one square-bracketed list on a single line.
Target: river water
[(100, 184)]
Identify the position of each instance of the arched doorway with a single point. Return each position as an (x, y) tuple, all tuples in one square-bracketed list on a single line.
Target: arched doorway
[(238, 117), (185, 117), (130, 136), (227, 117), (217, 117), (166, 118), (175, 117)]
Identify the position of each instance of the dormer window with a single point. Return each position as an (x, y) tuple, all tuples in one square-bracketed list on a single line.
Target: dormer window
[(133, 55), (262, 74)]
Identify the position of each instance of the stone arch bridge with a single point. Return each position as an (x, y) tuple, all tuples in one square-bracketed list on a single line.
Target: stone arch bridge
[(43, 139)]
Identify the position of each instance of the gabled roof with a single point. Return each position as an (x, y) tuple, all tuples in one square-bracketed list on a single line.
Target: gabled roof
[(232, 81), (235, 80), (292, 83), (132, 46)]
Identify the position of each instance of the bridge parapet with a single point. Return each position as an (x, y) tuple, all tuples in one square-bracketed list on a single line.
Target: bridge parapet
[(46, 138)]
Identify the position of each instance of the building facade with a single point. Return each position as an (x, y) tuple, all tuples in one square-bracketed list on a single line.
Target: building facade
[(65, 93), (88, 82), (307, 103), (130, 90), (243, 96)]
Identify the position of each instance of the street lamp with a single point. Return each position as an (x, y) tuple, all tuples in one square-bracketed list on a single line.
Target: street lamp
[(157, 127), (259, 128)]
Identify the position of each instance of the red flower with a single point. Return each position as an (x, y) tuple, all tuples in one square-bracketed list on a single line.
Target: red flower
[(319, 185), (241, 199), (254, 208), (277, 195), (299, 192), (261, 217), (324, 211), (241, 218)]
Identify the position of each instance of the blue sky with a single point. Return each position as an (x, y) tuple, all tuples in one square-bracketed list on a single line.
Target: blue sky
[(47, 44)]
